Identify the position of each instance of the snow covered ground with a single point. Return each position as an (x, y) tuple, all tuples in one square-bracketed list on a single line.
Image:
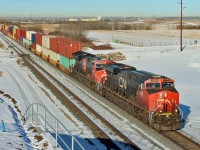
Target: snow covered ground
[(183, 67)]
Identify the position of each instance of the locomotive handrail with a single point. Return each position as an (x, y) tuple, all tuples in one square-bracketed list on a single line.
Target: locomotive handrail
[(181, 112), (152, 112)]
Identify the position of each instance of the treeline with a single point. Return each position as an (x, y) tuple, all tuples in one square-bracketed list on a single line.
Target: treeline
[(105, 25), (77, 30), (188, 27)]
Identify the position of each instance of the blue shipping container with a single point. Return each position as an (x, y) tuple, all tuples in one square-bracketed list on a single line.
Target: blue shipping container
[(33, 38), (11, 29), (21, 38)]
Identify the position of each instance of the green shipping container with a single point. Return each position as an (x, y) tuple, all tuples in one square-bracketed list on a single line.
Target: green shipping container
[(28, 42), (66, 62)]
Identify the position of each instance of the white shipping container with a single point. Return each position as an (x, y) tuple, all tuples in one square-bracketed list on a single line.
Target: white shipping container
[(24, 40), (29, 34), (38, 48), (45, 51), (46, 40), (54, 56)]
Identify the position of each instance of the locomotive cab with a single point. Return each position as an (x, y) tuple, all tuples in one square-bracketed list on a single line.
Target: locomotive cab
[(163, 105)]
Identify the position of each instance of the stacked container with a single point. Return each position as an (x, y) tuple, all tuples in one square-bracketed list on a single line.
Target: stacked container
[(46, 40), (66, 49), (15, 33), (38, 49), (45, 53), (6, 28), (54, 44), (29, 37), (33, 39), (19, 34), (24, 33), (39, 39), (54, 57)]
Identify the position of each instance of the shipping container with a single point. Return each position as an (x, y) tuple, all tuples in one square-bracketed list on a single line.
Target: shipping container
[(28, 42), (68, 47), (33, 38), (24, 40), (11, 29), (46, 40), (29, 34), (45, 53), (38, 49), (63, 46), (54, 57), (33, 46), (6, 28), (67, 62), (24, 33), (21, 38), (54, 44), (15, 32), (18, 37), (19, 32), (39, 39)]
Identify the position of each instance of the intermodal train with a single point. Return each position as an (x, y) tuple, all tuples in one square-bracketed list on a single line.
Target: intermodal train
[(150, 97)]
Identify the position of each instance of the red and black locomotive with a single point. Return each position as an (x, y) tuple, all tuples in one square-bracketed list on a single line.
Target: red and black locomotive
[(149, 97)]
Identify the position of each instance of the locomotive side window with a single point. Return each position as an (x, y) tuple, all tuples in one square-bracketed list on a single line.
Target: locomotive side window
[(153, 85), (167, 85)]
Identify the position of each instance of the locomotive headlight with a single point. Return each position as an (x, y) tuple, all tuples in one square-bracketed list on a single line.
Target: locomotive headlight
[(176, 110), (160, 111), (165, 94)]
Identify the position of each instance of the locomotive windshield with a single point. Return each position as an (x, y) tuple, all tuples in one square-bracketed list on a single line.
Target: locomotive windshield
[(153, 85), (167, 85), (99, 65)]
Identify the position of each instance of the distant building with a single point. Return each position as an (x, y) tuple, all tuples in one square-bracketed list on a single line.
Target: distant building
[(73, 20), (92, 19)]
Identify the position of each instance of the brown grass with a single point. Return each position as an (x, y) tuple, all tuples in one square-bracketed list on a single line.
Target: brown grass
[(38, 138), (33, 129), (102, 47)]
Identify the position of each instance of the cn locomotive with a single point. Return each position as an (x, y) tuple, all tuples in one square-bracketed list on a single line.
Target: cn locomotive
[(151, 98)]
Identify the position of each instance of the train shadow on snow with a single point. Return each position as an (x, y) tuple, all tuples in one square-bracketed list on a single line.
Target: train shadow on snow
[(87, 143), (186, 111)]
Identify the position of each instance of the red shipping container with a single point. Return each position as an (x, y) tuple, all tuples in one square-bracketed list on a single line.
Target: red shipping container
[(74, 46), (19, 32), (68, 47), (63, 46), (39, 39), (34, 46), (24, 33), (54, 44), (18, 37)]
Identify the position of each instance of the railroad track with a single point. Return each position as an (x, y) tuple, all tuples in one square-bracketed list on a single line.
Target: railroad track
[(181, 140), (97, 131)]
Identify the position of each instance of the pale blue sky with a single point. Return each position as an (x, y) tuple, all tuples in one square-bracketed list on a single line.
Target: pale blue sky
[(68, 8)]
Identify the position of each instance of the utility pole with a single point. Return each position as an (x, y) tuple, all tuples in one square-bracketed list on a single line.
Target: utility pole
[(181, 27)]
